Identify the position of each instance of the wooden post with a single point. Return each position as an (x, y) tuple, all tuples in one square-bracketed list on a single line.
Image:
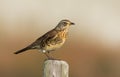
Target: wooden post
[(55, 68)]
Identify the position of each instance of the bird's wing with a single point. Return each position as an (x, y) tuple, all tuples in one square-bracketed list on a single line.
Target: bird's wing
[(45, 38), (47, 35), (50, 37), (40, 41)]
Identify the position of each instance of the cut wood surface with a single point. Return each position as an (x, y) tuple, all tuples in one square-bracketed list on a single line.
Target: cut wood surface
[(55, 68)]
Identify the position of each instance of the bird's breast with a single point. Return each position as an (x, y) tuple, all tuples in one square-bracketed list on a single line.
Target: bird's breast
[(54, 46), (56, 42)]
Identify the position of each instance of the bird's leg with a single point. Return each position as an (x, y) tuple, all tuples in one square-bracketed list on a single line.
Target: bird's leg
[(51, 57), (48, 56), (47, 53)]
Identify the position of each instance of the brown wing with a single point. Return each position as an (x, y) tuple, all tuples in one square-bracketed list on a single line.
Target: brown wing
[(40, 42), (45, 39)]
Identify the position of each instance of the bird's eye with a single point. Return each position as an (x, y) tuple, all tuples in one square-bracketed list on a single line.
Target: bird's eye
[(64, 23)]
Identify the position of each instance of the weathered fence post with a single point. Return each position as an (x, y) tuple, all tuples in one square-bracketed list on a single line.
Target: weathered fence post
[(55, 68)]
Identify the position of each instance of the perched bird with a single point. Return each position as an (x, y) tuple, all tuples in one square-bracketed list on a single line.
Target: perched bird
[(51, 40)]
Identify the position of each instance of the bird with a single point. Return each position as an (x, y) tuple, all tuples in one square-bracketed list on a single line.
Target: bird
[(51, 40)]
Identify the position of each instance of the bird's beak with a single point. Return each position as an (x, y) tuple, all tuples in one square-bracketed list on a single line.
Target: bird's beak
[(72, 23)]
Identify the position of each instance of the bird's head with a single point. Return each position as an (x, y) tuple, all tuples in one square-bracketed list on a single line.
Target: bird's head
[(64, 24)]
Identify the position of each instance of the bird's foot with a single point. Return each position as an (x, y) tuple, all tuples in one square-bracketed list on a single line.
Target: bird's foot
[(51, 58)]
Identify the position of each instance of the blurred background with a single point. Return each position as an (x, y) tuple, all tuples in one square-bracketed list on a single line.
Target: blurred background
[(92, 48)]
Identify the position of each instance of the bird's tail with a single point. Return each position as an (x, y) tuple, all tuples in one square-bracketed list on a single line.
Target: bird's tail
[(22, 50)]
